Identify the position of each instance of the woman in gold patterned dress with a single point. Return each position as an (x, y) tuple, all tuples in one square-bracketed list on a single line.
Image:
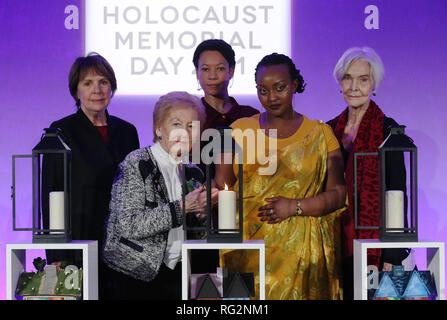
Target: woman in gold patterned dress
[(292, 199)]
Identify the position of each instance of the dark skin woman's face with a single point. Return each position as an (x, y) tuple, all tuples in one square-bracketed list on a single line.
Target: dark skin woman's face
[(275, 89), (214, 73)]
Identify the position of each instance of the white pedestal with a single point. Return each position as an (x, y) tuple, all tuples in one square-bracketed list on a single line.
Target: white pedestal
[(16, 263), (202, 244), (435, 263)]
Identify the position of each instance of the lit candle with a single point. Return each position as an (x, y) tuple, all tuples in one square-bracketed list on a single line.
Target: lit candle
[(394, 209), (57, 210), (227, 209)]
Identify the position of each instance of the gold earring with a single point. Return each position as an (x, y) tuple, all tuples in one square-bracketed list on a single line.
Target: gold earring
[(374, 93)]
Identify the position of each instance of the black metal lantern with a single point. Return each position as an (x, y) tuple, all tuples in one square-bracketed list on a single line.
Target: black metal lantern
[(225, 145), (398, 216), (52, 150), (398, 152)]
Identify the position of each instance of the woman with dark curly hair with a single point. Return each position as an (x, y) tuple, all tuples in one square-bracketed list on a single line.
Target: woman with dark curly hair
[(215, 62), (294, 208)]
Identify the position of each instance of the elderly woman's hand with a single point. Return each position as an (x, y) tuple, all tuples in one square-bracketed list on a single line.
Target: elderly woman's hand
[(195, 201)]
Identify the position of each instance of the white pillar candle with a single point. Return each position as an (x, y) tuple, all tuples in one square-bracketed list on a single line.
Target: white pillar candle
[(227, 209), (57, 210), (394, 209)]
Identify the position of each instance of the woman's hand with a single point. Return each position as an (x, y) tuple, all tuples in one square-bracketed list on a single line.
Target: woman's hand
[(277, 210), (387, 266), (195, 201)]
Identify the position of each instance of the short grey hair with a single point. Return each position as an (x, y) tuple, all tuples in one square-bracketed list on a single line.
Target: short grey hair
[(172, 100), (367, 54)]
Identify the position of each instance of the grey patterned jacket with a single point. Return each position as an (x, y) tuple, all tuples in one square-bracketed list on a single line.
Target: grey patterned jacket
[(141, 216)]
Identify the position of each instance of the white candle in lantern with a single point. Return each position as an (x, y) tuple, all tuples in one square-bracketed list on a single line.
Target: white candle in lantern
[(57, 210), (394, 200), (227, 209)]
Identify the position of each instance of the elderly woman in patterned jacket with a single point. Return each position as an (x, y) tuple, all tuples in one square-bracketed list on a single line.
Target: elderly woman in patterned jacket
[(144, 228)]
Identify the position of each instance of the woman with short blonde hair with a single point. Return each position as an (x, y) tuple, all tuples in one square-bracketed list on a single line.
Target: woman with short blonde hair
[(144, 230), (174, 99)]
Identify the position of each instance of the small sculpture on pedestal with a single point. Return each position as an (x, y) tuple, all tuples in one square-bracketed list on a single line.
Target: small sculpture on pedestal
[(222, 285), (404, 285), (63, 282)]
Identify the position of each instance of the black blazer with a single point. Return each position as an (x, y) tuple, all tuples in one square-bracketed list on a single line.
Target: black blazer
[(93, 168)]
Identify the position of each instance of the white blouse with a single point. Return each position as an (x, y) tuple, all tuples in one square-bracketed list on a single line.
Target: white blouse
[(169, 167)]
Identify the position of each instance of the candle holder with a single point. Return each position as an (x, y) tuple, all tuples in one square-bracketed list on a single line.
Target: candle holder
[(213, 233), (51, 146), (396, 153)]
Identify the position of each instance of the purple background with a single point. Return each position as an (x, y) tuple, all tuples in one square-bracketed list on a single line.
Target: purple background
[(37, 52)]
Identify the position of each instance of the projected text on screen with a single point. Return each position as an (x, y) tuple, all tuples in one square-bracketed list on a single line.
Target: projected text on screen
[(150, 44)]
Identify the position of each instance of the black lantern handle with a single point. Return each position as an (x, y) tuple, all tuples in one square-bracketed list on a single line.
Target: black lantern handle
[(13, 191)]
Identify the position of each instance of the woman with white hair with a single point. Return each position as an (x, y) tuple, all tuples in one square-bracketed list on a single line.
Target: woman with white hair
[(144, 229), (362, 127)]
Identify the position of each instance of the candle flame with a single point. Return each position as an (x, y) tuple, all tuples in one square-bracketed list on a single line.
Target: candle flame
[(226, 187)]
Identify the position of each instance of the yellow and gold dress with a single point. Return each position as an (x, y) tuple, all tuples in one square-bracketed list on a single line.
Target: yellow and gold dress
[(302, 253)]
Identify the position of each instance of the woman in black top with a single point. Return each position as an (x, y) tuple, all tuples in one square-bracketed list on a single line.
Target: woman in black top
[(98, 142), (214, 61)]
